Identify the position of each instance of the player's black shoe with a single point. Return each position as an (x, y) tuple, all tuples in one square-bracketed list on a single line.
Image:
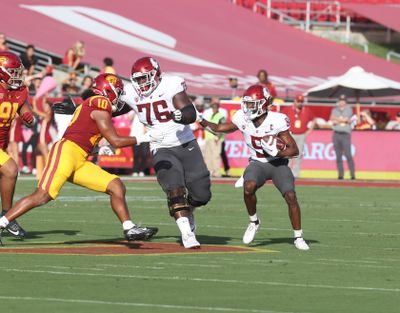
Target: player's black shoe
[(15, 230), (140, 233)]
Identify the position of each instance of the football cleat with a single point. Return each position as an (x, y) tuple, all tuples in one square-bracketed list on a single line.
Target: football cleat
[(251, 232), (189, 241), (300, 244), (140, 233), (15, 230)]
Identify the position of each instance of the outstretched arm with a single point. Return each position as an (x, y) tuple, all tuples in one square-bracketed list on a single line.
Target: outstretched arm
[(125, 109), (107, 130), (219, 128)]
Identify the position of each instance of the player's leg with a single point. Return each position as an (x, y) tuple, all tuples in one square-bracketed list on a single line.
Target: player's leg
[(338, 147), (283, 179), (59, 167), (8, 179), (113, 186), (225, 160), (43, 138), (170, 176), (197, 178), (347, 154), (254, 177)]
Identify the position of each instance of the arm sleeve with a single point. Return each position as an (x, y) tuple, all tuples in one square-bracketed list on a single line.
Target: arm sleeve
[(178, 85), (236, 119)]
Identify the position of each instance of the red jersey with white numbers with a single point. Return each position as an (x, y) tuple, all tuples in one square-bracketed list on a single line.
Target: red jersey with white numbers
[(10, 103), (82, 129)]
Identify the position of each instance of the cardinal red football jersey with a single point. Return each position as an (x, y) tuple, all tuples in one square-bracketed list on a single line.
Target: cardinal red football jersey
[(10, 102), (82, 129)]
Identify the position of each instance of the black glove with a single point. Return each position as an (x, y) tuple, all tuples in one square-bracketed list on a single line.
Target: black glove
[(67, 107)]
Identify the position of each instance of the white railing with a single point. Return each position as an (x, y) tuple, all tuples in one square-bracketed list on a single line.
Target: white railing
[(311, 15), (391, 54)]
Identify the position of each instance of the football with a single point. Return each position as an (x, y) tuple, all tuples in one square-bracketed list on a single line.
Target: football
[(280, 144)]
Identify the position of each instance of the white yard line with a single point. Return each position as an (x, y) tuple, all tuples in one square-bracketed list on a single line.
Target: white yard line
[(133, 266), (189, 264), (210, 280), (138, 304)]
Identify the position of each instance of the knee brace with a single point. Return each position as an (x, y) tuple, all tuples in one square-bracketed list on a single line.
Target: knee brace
[(196, 203), (177, 200)]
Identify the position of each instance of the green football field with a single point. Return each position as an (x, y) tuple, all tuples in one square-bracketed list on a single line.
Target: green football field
[(353, 264)]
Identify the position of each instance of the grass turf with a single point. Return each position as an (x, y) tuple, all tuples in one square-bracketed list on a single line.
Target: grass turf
[(352, 265)]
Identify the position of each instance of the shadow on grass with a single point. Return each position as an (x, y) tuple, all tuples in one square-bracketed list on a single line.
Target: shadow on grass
[(203, 239), (274, 241), (42, 234)]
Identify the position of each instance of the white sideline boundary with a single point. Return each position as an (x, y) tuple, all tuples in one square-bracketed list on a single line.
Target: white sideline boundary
[(137, 304), (214, 280)]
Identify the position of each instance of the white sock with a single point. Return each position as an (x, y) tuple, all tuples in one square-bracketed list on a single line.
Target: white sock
[(298, 233), (4, 222), (253, 218), (127, 225), (183, 224)]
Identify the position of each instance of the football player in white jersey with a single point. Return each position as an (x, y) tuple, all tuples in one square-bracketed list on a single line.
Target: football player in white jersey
[(268, 159), (161, 103)]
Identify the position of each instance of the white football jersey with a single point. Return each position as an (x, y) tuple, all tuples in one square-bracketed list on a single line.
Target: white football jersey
[(273, 124), (154, 111)]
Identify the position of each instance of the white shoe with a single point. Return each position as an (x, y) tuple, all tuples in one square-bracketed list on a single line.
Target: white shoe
[(300, 244), (250, 232), (135, 174), (189, 241), (25, 170), (141, 174)]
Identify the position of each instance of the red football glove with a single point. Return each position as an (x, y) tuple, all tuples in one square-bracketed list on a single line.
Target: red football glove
[(28, 118)]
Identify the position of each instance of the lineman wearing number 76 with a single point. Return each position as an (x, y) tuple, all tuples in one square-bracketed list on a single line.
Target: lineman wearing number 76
[(161, 103), (267, 135)]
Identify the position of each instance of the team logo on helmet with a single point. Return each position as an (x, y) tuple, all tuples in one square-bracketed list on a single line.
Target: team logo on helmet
[(111, 79), (2, 60), (154, 63)]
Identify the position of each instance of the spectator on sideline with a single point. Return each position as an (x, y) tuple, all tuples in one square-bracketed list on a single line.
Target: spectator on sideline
[(69, 85), (3, 44), (197, 129), (74, 55), (263, 80), (28, 59), (42, 108), (341, 118), (395, 124), (87, 83), (208, 113), (365, 121), (30, 137), (213, 142), (302, 123), (108, 66)]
